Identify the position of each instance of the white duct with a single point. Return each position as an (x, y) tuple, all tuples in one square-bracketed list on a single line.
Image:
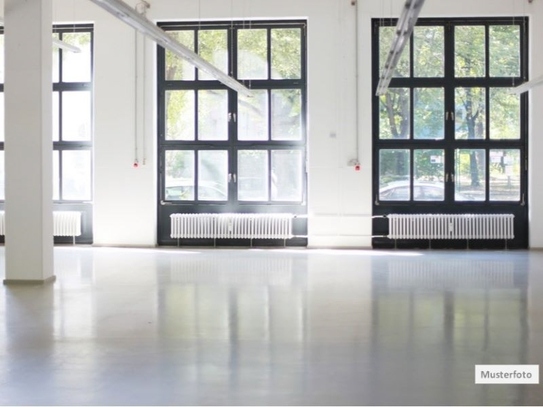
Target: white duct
[(58, 43), (404, 28), (526, 86), (64, 45), (131, 17)]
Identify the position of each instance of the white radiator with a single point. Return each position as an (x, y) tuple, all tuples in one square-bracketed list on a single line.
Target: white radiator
[(231, 226), (451, 226), (65, 223)]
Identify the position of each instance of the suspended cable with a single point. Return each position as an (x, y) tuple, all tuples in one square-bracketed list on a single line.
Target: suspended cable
[(136, 83), (139, 109)]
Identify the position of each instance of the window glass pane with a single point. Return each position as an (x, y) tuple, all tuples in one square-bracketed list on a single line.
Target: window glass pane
[(287, 169), (253, 175), (253, 116), (76, 175), (428, 178), (76, 116), (2, 177), (253, 54), (504, 114), (180, 115), (504, 50), (470, 113), (470, 175), (286, 114), (56, 64), (429, 108), (386, 36), (213, 47), (504, 175), (76, 66), (2, 117), (2, 59), (178, 69), (469, 51), (179, 183), (56, 118), (428, 52), (286, 53), (56, 175), (394, 175), (212, 114), (212, 175), (394, 114)]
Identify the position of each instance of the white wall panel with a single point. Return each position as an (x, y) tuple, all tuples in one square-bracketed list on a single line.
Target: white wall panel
[(125, 199)]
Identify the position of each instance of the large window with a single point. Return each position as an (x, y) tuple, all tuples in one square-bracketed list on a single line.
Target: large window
[(72, 116), (72, 124), (449, 134), (224, 152)]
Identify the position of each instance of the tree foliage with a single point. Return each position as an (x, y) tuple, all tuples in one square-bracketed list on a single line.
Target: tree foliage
[(428, 104)]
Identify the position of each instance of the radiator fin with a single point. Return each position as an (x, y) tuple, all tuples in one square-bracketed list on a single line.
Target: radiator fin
[(66, 223), (451, 226), (231, 226)]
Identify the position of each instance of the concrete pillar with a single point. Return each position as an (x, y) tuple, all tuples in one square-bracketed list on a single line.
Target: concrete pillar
[(28, 141)]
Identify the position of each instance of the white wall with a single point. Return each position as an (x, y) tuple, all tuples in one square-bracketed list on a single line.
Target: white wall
[(339, 198), (535, 166), (124, 196)]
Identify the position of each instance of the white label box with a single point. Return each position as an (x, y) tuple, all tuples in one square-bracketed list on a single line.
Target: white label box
[(507, 374)]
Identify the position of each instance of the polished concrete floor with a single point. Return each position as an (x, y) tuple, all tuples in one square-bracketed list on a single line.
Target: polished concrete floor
[(271, 327)]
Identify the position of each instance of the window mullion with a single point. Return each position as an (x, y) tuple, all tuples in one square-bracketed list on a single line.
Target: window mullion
[(60, 176), (270, 175), (269, 52), (233, 97)]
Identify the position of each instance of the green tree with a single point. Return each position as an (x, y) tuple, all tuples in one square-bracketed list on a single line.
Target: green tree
[(470, 62), (178, 68), (471, 107)]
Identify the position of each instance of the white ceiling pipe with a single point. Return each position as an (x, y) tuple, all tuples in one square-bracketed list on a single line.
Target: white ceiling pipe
[(131, 17), (404, 28), (65, 46), (525, 87), (58, 43)]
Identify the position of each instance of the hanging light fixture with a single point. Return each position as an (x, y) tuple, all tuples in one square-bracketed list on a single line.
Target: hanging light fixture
[(57, 43), (404, 28), (526, 86), (65, 46), (131, 17)]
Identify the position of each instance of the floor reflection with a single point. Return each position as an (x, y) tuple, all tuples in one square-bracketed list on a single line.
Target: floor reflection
[(442, 315), (271, 327)]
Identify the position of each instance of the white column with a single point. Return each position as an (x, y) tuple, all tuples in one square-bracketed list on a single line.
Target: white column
[(28, 141)]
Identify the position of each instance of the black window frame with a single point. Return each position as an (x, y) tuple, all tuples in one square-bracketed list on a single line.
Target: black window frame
[(83, 206), (60, 87), (232, 144), (449, 144)]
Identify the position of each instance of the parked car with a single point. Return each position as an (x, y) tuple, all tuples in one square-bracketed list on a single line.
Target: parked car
[(422, 191), (183, 190)]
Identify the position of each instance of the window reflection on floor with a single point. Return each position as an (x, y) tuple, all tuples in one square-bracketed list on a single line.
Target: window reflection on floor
[(272, 327)]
